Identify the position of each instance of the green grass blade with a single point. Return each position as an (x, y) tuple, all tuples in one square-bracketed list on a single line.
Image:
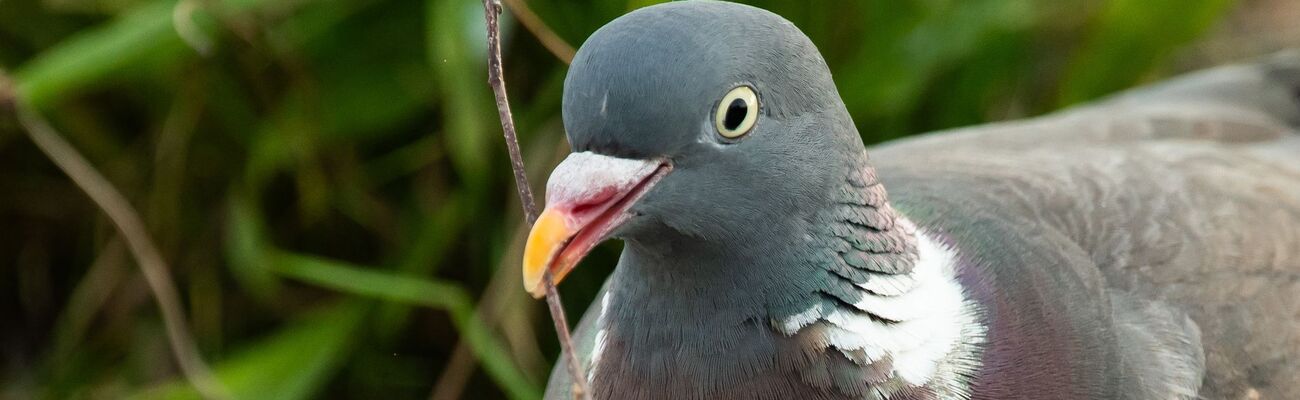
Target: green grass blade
[(455, 37), (92, 55), (294, 363), (366, 282)]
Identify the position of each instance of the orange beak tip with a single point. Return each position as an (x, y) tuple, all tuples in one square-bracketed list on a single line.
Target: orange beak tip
[(549, 235)]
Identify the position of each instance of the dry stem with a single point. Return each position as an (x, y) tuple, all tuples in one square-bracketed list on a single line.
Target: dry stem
[(551, 41), (492, 12), (130, 226)]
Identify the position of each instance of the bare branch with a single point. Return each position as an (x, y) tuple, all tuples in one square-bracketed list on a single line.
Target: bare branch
[(492, 12), (457, 371), (578, 377), (130, 227), (551, 41)]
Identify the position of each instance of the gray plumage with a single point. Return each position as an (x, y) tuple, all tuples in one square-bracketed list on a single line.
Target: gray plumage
[(1146, 246), (1186, 193)]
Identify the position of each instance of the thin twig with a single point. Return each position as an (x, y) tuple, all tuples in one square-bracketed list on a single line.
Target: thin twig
[(492, 12), (461, 363), (562, 331), (494, 302), (551, 41), (131, 227)]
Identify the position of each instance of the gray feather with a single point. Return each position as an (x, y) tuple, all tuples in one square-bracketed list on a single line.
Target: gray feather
[(1160, 345), (1188, 194)]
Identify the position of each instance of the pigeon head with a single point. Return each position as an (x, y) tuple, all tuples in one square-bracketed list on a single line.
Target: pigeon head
[(700, 122)]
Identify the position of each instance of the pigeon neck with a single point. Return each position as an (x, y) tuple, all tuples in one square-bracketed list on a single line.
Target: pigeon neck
[(844, 291), (852, 235)]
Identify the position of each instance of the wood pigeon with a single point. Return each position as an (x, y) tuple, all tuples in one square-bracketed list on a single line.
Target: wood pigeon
[(1142, 247)]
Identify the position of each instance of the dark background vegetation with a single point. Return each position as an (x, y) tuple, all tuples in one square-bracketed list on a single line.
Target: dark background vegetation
[(328, 182)]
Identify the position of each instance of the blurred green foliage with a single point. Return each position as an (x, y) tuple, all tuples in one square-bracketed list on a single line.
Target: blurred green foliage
[(329, 182)]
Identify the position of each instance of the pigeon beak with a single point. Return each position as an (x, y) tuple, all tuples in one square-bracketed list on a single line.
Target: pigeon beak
[(587, 197)]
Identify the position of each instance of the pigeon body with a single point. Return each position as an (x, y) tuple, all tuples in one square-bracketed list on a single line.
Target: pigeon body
[(1144, 247)]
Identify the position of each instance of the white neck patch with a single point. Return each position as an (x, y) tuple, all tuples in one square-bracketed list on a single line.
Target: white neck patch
[(932, 334), (921, 321), (601, 333)]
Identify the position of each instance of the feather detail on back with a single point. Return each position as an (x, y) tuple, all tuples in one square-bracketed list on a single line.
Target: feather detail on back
[(1159, 344), (1184, 196)]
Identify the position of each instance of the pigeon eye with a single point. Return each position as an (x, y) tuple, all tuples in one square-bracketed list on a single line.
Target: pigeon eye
[(736, 113)]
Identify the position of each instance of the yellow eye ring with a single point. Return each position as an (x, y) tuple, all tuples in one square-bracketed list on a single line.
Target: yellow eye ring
[(736, 113)]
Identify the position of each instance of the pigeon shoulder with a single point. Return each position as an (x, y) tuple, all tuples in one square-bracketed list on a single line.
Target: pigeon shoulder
[(1182, 198)]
